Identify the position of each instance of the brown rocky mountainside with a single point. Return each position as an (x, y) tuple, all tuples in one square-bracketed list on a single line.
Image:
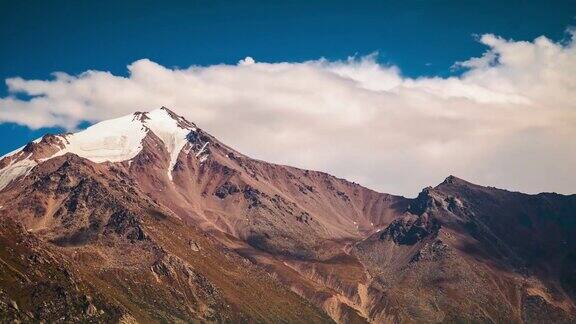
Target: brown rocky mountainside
[(147, 218)]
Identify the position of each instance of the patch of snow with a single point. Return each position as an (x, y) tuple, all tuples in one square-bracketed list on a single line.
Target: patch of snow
[(15, 170), (114, 140), (202, 149), (166, 128)]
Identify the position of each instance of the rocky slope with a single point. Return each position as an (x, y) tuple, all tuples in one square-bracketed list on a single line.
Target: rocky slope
[(148, 218)]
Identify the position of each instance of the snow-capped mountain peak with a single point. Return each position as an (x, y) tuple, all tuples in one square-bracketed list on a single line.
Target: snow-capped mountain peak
[(120, 139), (113, 140)]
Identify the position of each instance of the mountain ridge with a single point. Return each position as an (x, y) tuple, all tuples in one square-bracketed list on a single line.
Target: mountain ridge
[(174, 209), (183, 124)]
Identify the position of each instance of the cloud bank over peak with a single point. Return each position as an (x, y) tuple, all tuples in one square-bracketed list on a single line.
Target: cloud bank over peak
[(508, 120)]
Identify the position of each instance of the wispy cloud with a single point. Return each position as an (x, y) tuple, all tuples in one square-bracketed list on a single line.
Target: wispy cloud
[(508, 120)]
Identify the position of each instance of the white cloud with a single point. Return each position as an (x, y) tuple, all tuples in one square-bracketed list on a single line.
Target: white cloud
[(247, 61), (509, 120)]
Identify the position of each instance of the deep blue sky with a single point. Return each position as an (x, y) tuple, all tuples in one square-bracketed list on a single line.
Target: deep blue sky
[(421, 37)]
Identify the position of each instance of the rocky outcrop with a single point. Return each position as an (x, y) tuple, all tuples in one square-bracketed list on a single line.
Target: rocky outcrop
[(411, 229)]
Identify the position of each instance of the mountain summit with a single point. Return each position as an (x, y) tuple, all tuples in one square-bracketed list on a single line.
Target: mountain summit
[(147, 218), (114, 140)]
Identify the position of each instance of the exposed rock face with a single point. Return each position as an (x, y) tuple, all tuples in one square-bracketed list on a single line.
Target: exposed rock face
[(411, 229), (183, 228), (226, 189)]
